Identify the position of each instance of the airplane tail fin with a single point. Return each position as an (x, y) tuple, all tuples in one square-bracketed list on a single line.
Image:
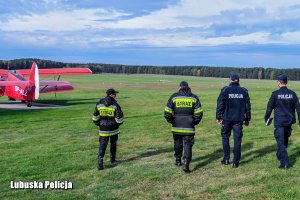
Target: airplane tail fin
[(34, 80)]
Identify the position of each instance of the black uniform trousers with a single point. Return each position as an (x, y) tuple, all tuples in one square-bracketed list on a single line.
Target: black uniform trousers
[(103, 140), (183, 142), (282, 134), (237, 127)]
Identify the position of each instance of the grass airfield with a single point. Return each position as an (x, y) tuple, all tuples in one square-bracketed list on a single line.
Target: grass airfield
[(62, 144)]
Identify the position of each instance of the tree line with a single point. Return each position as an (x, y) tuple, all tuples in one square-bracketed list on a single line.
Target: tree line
[(204, 71)]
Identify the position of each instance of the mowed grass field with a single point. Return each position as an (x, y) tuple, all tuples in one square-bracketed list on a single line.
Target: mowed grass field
[(62, 144)]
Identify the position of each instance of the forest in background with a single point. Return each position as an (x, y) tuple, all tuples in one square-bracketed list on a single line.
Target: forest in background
[(203, 71)]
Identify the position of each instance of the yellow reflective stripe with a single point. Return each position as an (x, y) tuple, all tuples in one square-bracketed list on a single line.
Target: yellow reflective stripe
[(184, 97), (169, 110), (119, 120), (198, 111), (182, 130), (96, 118), (109, 133)]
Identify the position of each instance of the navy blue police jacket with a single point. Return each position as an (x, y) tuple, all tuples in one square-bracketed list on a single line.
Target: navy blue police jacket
[(183, 111), (233, 104), (284, 102)]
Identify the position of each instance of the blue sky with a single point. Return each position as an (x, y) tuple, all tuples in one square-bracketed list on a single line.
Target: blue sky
[(238, 33)]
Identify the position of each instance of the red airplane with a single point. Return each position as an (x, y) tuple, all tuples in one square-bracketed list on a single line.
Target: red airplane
[(14, 85)]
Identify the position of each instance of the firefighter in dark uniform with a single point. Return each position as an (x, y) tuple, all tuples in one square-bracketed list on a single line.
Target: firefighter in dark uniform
[(233, 108), (108, 116), (183, 111), (284, 102)]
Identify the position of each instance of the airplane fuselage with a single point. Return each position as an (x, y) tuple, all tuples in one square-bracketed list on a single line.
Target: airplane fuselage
[(18, 92)]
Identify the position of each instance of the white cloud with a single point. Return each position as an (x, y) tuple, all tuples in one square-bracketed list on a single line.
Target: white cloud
[(187, 13), (30, 39), (61, 20), (192, 13), (291, 37), (188, 23), (195, 40)]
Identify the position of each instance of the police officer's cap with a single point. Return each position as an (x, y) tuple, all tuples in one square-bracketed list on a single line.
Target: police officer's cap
[(111, 91), (282, 78), (234, 77), (183, 84)]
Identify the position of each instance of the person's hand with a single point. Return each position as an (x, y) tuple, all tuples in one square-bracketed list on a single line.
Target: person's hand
[(299, 126), (97, 123), (219, 121), (247, 123)]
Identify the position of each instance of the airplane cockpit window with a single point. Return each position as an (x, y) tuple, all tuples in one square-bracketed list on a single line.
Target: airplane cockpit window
[(13, 72)]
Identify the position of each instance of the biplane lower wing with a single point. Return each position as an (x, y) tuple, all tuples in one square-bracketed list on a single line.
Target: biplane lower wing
[(53, 83), (58, 88)]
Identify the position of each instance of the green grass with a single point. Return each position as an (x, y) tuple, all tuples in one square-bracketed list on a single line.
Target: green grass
[(62, 144)]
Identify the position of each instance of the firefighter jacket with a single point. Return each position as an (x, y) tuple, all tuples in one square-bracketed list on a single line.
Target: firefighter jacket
[(284, 102), (233, 104), (183, 111), (108, 116)]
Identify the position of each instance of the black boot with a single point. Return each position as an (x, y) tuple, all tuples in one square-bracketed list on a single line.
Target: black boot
[(186, 167), (225, 162), (100, 163), (112, 159), (178, 161), (235, 165)]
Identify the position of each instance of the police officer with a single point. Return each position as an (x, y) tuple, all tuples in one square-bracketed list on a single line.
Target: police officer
[(233, 107), (183, 111), (284, 102), (108, 116)]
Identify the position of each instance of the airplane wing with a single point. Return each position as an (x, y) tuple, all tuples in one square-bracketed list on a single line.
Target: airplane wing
[(53, 83), (55, 86), (57, 71), (58, 88), (12, 83)]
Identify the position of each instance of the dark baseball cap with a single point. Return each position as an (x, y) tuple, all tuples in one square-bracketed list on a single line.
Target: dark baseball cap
[(183, 84), (282, 78), (111, 91), (234, 77)]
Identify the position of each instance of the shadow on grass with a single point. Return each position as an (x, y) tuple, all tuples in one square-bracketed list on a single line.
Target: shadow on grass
[(205, 160), (257, 153), (293, 157), (148, 153), (266, 150), (69, 102), (217, 154)]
